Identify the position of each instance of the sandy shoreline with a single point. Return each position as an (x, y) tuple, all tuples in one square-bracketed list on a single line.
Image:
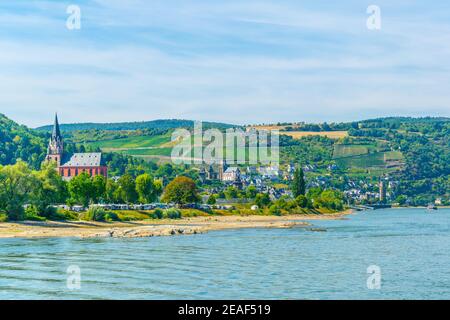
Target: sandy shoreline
[(151, 228)]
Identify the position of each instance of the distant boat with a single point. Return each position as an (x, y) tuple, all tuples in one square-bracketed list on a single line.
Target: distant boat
[(431, 207)]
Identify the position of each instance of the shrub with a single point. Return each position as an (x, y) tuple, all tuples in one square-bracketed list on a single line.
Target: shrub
[(157, 214), (302, 201), (111, 216), (52, 213), (32, 214), (275, 210), (15, 212), (208, 210), (93, 214), (172, 213), (290, 205), (132, 215), (211, 199), (262, 200), (3, 217)]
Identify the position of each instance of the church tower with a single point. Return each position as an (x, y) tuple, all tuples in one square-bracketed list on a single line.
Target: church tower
[(222, 168), (55, 145)]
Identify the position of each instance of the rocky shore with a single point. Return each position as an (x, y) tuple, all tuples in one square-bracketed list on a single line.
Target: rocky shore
[(154, 228)]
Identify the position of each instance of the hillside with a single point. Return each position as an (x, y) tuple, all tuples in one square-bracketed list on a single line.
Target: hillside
[(413, 152), (154, 124), (19, 142)]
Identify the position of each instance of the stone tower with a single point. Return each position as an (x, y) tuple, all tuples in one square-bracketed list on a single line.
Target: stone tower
[(382, 186), (223, 166), (55, 146)]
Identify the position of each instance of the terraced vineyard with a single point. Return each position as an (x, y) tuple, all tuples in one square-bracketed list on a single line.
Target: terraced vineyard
[(367, 157), (133, 142), (155, 146)]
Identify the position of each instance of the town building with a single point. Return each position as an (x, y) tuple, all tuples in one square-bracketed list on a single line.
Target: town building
[(72, 165), (231, 174)]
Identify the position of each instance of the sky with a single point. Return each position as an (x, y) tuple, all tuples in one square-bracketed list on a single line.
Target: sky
[(235, 61)]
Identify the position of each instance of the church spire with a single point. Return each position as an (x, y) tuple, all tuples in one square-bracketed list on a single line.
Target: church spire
[(55, 145), (56, 134)]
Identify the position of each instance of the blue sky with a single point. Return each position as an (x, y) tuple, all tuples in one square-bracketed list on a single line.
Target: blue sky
[(234, 61)]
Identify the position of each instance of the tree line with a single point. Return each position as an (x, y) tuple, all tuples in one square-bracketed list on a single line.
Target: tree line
[(39, 189)]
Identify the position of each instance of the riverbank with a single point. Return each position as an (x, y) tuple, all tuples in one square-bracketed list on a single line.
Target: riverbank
[(152, 228)]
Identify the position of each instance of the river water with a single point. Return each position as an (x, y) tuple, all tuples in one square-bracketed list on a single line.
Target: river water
[(410, 248)]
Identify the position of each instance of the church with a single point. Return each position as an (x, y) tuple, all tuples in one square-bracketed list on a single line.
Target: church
[(72, 165)]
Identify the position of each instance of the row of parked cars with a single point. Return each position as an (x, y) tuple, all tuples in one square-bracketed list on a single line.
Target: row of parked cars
[(150, 206)]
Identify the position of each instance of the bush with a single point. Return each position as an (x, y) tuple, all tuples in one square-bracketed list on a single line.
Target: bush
[(111, 216), (275, 210), (302, 201), (93, 214), (290, 205), (32, 214), (52, 213), (133, 215), (15, 212), (157, 214), (63, 214), (211, 199), (3, 217), (262, 200), (172, 213)]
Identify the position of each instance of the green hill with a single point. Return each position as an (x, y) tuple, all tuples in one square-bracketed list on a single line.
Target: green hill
[(19, 142), (154, 124)]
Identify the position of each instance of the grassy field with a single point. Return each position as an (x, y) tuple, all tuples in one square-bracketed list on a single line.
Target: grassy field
[(149, 152), (329, 134), (133, 142), (301, 134)]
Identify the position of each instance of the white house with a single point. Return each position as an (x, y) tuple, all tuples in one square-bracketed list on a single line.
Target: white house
[(232, 174)]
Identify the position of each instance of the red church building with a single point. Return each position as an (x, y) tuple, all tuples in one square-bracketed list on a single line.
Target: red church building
[(72, 165)]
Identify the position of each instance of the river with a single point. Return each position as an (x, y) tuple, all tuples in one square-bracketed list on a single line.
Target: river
[(410, 248)]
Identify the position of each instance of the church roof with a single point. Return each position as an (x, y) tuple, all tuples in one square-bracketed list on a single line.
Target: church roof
[(232, 170), (84, 160)]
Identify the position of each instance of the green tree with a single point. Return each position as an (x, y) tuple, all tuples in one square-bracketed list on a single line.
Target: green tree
[(166, 170), (302, 201), (401, 200), (275, 210), (231, 193), (181, 190), (262, 200), (99, 187), (52, 188), (81, 189), (298, 184), (251, 192), (330, 199), (17, 184), (146, 189), (112, 191), (127, 189), (314, 194), (211, 200)]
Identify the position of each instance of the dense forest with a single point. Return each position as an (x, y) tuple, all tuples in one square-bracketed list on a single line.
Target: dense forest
[(19, 142)]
